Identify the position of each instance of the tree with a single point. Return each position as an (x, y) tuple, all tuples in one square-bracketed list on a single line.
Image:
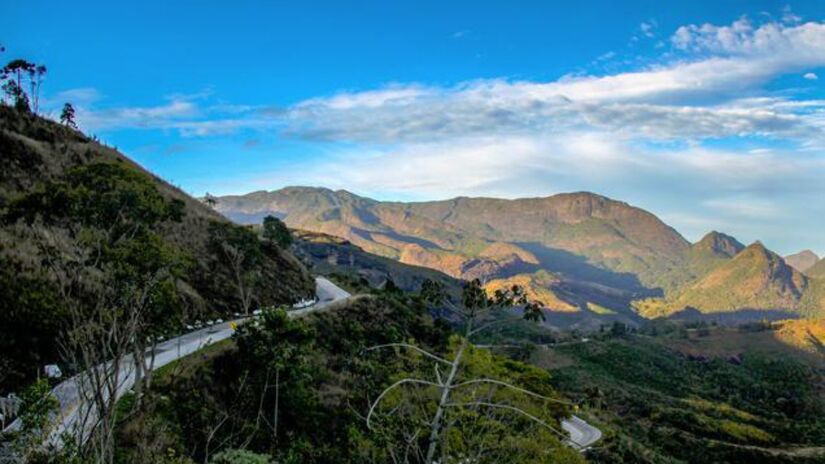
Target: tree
[(278, 349), (465, 398), (37, 406), (277, 232), (36, 73), (67, 116), (15, 70), (115, 277), (210, 201), (241, 252), (16, 95)]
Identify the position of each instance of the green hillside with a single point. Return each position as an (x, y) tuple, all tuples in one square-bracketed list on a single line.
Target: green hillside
[(710, 394), (756, 278), (67, 197)]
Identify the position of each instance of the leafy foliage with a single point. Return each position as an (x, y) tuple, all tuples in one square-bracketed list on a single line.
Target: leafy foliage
[(325, 384), (657, 405), (276, 232)]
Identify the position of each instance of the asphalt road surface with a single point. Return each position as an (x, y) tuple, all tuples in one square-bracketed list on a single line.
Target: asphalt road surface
[(72, 412), (582, 434)]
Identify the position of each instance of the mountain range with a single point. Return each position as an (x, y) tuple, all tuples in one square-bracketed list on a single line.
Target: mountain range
[(575, 252)]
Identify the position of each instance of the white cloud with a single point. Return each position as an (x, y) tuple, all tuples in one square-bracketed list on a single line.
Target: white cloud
[(750, 195), (636, 135), (707, 93), (656, 102), (747, 207), (810, 76), (648, 28), (140, 117)]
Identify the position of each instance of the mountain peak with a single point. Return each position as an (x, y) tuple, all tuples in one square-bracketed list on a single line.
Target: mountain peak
[(758, 249), (755, 278), (802, 261), (719, 243)]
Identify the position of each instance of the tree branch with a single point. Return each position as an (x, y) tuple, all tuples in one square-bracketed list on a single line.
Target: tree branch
[(513, 387), (387, 390), (412, 347)]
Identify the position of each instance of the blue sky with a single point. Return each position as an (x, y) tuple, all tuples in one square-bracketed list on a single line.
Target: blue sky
[(709, 114)]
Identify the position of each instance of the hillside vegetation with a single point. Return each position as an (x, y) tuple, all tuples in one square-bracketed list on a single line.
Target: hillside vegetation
[(754, 278), (299, 390), (337, 257), (703, 395), (817, 270), (67, 198)]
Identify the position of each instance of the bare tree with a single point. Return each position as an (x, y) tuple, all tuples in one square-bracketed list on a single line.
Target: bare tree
[(109, 268), (244, 278), (36, 74), (210, 201), (240, 249), (477, 312)]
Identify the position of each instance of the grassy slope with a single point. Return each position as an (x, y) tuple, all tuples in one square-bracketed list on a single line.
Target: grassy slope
[(723, 396), (753, 279), (817, 270), (36, 151)]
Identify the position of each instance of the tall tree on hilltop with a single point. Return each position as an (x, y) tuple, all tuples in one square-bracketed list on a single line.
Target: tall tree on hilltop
[(16, 70), (36, 74), (67, 116)]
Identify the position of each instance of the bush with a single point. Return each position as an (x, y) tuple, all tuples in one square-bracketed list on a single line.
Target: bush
[(238, 456)]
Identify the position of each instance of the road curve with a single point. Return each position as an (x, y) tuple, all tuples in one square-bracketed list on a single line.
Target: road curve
[(582, 434), (68, 391)]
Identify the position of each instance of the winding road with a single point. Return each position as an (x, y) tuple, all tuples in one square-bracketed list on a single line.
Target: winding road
[(71, 414)]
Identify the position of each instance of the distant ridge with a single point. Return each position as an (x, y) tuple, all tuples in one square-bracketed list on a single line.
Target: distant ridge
[(803, 260), (483, 237), (755, 278), (575, 251)]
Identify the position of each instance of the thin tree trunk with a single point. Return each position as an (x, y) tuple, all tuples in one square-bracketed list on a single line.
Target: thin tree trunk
[(435, 428), (277, 405)]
